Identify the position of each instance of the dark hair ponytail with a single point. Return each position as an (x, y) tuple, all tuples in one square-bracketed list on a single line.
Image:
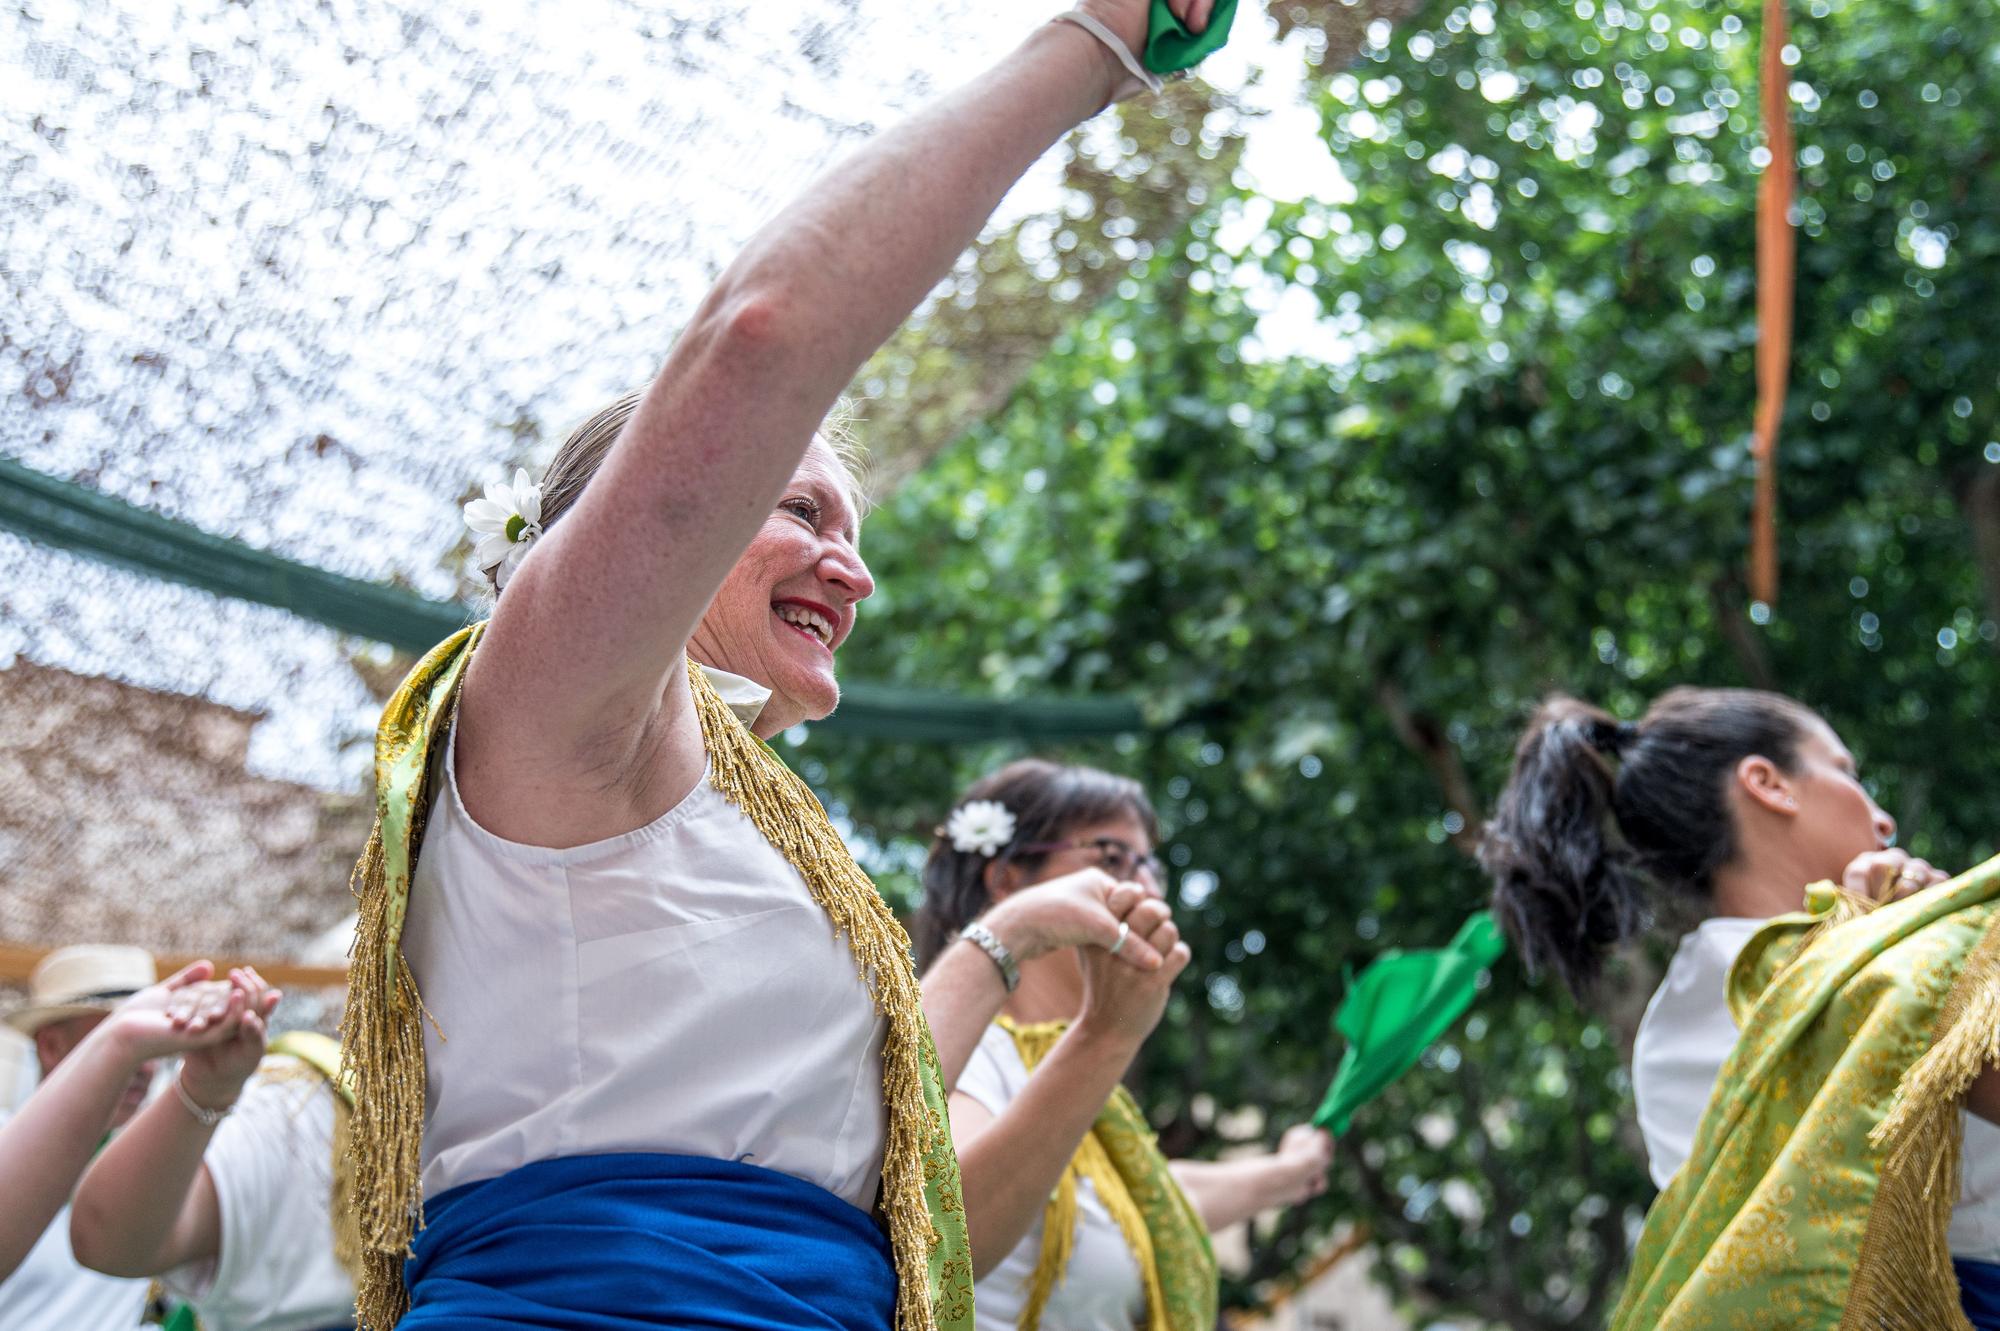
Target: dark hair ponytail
[(1049, 801), (1599, 815)]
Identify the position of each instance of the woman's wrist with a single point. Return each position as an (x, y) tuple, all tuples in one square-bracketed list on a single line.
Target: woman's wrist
[(1108, 1038), (1012, 923), (209, 1094), (1106, 75)]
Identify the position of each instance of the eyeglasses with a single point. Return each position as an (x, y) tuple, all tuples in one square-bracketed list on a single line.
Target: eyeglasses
[(1121, 859)]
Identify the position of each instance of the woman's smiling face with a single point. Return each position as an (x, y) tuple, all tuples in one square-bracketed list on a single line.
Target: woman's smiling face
[(790, 600)]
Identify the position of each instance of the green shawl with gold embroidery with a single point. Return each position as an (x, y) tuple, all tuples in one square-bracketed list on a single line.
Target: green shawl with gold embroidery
[(1825, 1168), (1122, 1160)]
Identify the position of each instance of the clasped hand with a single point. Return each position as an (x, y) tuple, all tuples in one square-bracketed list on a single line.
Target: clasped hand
[(217, 1026)]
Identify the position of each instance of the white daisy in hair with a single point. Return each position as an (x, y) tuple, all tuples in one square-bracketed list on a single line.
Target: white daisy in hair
[(983, 826), (507, 522)]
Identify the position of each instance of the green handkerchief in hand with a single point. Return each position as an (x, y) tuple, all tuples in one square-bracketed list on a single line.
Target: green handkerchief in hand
[(1170, 47), (1400, 1004)]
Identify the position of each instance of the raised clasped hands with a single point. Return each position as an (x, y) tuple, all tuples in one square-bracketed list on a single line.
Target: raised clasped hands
[(1122, 998), (185, 1011), (1890, 875), (1077, 909), (213, 1073)]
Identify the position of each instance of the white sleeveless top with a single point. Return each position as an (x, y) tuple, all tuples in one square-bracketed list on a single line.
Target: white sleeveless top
[(675, 989)]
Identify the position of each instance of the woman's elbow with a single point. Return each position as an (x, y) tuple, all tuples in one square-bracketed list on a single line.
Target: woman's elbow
[(740, 325), (91, 1240)]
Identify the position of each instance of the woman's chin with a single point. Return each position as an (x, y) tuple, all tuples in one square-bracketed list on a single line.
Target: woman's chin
[(807, 697)]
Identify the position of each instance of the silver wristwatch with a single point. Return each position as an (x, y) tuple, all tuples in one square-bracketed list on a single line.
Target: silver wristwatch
[(982, 938)]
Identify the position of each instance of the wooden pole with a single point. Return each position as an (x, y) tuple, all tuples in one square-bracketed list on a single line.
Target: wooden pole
[(1777, 269), (18, 962)]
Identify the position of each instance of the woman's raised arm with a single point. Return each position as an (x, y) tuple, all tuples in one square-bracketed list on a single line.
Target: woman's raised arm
[(585, 645)]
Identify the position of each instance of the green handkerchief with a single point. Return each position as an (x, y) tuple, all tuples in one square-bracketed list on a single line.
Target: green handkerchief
[(1170, 47), (1397, 1007)]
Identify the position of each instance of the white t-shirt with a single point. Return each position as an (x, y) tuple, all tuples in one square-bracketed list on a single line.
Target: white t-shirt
[(672, 990), (1687, 1034), (49, 1291), (272, 1164), (1102, 1289)]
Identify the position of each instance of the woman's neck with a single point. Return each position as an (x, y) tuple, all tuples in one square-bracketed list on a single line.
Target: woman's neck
[(1051, 989), (1761, 883)]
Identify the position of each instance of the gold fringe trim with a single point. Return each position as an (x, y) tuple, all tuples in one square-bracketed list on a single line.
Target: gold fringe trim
[(382, 1040), (789, 816), (1904, 1277), (347, 1245), (1059, 1217), (382, 1036), (1058, 1244)]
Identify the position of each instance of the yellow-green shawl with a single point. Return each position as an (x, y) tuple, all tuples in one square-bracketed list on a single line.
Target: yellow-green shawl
[(1122, 1160), (1826, 1166), (383, 1047)]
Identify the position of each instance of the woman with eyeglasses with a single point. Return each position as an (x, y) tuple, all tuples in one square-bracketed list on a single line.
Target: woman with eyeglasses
[(1077, 1220)]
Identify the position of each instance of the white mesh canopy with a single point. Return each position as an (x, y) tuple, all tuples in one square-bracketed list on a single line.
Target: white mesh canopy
[(305, 274)]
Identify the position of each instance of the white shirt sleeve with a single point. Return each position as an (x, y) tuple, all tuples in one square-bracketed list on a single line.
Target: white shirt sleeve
[(271, 1162)]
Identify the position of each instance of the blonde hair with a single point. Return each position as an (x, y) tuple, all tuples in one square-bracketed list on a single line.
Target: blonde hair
[(590, 443)]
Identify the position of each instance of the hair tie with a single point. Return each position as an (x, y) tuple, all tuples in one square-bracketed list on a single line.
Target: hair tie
[(1610, 738)]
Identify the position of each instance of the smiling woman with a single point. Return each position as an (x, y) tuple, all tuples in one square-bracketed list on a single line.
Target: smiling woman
[(688, 1077)]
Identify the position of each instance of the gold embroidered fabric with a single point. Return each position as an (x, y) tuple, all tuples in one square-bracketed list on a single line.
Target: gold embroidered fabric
[(1122, 1159), (921, 1203), (1826, 1166)]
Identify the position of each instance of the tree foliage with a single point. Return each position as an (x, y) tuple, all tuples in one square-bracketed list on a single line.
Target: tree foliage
[(1519, 463)]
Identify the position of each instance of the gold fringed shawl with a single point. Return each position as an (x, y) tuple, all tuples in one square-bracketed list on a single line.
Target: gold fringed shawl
[(920, 1203), (1826, 1166), (1122, 1160)]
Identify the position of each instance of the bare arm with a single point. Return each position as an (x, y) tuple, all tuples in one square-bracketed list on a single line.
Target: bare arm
[(1009, 1163), (1227, 1192), (148, 1205), (578, 673), (963, 990), (47, 1145)]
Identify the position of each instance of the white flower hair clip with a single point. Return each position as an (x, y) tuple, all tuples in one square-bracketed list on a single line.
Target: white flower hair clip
[(980, 825), (507, 521)]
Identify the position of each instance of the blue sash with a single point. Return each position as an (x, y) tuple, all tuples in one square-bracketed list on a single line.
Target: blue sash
[(611, 1242), (1979, 1292)]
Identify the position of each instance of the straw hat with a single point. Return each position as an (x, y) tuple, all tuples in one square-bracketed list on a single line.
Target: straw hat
[(73, 981)]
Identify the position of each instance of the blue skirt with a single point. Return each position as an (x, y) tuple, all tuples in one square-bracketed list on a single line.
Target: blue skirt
[(618, 1242), (1979, 1292)]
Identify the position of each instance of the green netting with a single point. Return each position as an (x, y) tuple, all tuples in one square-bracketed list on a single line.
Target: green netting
[(73, 517)]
